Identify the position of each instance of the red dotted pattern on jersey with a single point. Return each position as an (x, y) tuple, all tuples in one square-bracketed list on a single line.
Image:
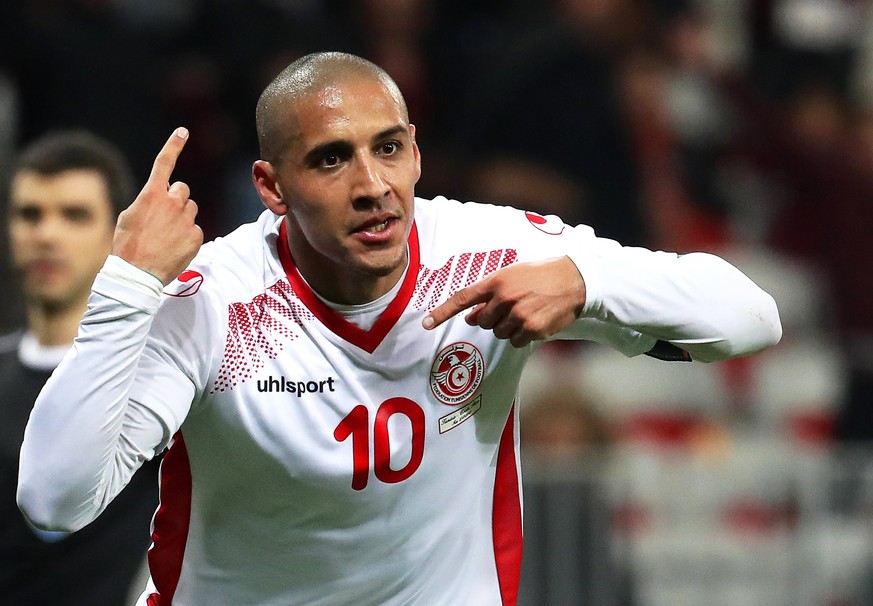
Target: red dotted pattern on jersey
[(463, 262), (431, 280), (475, 267), (493, 262), (257, 332), (430, 288)]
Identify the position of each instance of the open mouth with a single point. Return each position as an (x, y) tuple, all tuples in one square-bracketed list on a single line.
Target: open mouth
[(376, 228), (379, 227)]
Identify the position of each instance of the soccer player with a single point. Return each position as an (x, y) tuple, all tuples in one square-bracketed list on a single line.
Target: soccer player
[(65, 193), (335, 383)]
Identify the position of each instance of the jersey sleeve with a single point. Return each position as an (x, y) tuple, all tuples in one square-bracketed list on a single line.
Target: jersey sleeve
[(698, 302), (114, 402)]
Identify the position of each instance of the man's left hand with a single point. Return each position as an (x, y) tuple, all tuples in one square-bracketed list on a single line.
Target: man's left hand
[(523, 302)]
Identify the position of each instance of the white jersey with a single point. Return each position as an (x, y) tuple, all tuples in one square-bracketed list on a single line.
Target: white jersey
[(313, 461)]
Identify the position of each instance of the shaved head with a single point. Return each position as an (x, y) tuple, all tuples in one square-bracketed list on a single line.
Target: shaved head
[(306, 76)]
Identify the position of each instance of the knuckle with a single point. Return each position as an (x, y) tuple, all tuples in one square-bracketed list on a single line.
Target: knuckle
[(462, 298), (519, 341), (164, 163), (536, 327), (502, 332), (495, 279)]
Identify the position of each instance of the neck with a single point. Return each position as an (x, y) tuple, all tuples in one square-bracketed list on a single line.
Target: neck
[(345, 291), (341, 284), (55, 326)]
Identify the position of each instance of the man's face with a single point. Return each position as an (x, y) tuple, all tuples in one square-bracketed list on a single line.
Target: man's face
[(60, 233), (348, 179)]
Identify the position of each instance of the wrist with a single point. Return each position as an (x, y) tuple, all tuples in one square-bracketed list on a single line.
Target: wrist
[(123, 271)]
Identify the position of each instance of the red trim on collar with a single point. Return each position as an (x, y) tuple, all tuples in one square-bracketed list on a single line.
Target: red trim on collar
[(368, 340)]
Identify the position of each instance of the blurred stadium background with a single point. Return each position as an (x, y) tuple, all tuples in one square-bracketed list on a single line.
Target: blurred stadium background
[(742, 127)]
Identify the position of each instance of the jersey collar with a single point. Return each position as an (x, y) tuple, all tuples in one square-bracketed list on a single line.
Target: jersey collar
[(368, 340)]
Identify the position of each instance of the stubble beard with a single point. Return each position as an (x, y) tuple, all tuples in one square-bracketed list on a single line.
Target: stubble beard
[(57, 301)]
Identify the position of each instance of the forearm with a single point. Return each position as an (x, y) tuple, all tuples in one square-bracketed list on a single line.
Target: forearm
[(85, 439), (697, 301)]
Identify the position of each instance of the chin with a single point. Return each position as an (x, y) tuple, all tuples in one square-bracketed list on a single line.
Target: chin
[(50, 300), (377, 271), (387, 265)]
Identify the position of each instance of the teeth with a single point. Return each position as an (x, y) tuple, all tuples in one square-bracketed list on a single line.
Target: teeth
[(380, 227)]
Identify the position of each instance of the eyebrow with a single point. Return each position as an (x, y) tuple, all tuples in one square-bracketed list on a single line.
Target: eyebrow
[(16, 203), (388, 132), (344, 146)]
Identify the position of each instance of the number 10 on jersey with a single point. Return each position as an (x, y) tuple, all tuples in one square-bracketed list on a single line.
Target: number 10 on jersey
[(356, 425)]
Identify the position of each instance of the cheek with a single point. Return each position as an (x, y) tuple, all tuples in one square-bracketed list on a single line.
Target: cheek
[(317, 217), (103, 240), (89, 241), (20, 239)]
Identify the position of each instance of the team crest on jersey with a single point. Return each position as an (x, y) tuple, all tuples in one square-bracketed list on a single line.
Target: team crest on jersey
[(456, 373), (187, 284), (550, 225)]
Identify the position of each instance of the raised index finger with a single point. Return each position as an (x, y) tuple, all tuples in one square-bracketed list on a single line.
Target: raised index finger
[(461, 300), (165, 162)]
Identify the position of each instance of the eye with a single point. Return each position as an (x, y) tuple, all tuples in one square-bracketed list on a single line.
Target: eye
[(389, 148), (28, 214), (330, 161), (76, 214)]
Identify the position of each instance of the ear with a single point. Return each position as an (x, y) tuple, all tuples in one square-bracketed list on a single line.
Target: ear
[(416, 153), (265, 180)]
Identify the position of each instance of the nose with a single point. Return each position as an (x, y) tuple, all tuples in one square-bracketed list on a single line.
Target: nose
[(47, 228), (369, 183)]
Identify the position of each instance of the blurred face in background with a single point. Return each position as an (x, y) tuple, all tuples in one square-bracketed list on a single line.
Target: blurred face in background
[(60, 233)]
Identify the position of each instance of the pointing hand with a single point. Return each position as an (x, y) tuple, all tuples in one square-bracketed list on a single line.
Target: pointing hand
[(523, 302), (157, 233)]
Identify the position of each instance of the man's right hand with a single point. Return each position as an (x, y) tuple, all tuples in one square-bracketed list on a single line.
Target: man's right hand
[(157, 233)]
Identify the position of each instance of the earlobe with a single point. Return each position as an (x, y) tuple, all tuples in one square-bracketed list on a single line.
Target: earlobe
[(264, 180)]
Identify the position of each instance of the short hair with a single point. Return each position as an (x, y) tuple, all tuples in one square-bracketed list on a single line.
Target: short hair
[(303, 76), (61, 151)]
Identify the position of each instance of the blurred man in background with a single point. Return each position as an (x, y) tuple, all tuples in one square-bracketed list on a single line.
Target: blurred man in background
[(65, 193)]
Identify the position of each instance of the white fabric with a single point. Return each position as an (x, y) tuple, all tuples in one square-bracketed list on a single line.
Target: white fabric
[(366, 314), (40, 357), (274, 517)]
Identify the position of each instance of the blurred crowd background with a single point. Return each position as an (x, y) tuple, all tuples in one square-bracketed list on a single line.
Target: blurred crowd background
[(741, 127)]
